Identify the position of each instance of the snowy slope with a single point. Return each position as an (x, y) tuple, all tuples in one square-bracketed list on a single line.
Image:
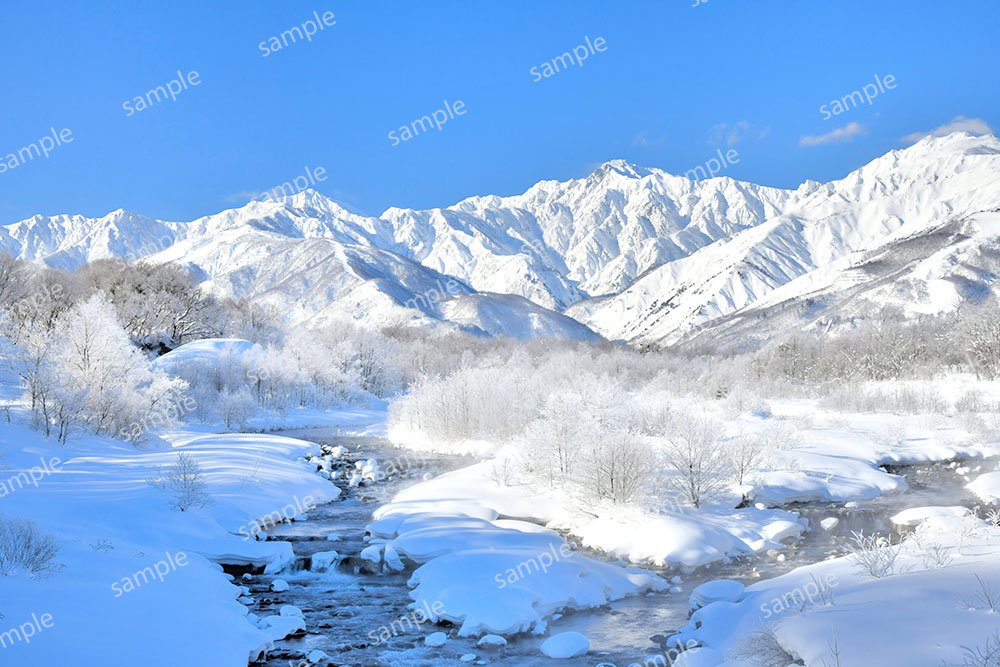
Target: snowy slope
[(306, 255), (599, 232), (632, 253), (67, 241), (903, 195)]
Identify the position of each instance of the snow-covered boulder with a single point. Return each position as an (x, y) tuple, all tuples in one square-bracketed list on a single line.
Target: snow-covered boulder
[(829, 523), (491, 641), (324, 560), (392, 559), (279, 586), (435, 639), (565, 645), (372, 553), (725, 590), (316, 656), (278, 627)]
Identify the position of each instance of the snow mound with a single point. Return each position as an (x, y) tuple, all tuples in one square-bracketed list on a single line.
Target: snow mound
[(436, 639), (987, 487), (494, 641), (492, 576), (279, 627), (473, 585), (917, 515), (565, 645), (720, 590), (211, 353)]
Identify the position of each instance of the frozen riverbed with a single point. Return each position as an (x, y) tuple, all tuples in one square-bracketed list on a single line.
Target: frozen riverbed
[(348, 610)]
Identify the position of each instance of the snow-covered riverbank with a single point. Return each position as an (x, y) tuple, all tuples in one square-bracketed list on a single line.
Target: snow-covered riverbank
[(483, 548), (111, 526)]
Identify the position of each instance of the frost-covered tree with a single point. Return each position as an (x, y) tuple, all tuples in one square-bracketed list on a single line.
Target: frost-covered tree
[(367, 355), (236, 407), (979, 338), (12, 279), (552, 444), (159, 305), (747, 453), (253, 321), (26, 351), (697, 465), (94, 373), (614, 466)]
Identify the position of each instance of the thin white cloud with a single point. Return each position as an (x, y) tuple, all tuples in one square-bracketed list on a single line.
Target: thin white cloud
[(957, 124), (642, 139), (846, 133), (733, 133)]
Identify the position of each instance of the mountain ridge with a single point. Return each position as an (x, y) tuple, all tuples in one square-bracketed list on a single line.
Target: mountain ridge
[(633, 253)]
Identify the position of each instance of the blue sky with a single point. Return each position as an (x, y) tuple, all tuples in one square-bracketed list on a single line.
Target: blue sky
[(674, 84)]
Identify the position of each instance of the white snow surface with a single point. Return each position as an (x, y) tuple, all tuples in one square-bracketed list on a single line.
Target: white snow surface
[(489, 576), (987, 487), (111, 524), (914, 617)]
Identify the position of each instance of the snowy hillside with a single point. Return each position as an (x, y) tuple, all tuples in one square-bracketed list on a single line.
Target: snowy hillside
[(630, 252)]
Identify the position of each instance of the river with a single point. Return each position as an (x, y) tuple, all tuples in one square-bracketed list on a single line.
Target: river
[(341, 608)]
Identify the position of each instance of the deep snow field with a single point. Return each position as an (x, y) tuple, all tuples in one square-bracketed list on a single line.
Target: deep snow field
[(506, 568)]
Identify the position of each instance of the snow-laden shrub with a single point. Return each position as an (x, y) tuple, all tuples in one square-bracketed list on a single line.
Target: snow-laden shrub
[(761, 648), (985, 655), (986, 598), (874, 554), (23, 546), (308, 368), (491, 402), (896, 399), (779, 439), (971, 402), (185, 480)]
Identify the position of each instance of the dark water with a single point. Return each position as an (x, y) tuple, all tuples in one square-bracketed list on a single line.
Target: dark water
[(345, 609)]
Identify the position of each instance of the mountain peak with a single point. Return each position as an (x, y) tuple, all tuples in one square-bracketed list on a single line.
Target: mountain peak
[(309, 198), (961, 141), (622, 167)]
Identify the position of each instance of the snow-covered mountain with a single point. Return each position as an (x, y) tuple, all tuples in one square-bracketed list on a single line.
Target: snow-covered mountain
[(632, 253), (821, 238)]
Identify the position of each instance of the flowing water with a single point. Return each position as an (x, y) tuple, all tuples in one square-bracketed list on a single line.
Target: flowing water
[(345, 609)]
